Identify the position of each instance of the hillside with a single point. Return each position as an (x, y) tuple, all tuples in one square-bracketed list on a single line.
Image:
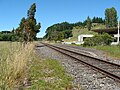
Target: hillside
[(76, 31)]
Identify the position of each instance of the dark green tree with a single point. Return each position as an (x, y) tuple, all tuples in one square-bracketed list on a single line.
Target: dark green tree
[(60, 36), (89, 24), (85, 23), (33, 27), (97, 20), (94, 20), (28, 27), (111, 17), (59, 31)]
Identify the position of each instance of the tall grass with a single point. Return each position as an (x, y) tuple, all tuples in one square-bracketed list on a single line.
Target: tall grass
[(13, 64)]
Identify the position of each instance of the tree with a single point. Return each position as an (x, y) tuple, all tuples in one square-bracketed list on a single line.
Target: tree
[(97, 20), (85, 23), (94, 20), (111, 17), (89, 23), (59, 31), (31, 11), (60, 36), (33, 27), (28, 27)]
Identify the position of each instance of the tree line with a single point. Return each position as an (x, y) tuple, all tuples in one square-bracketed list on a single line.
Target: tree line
[(59, 31), (110, 21), (63, 30), (27, 30), (28, 27), (98, 20), (8, 36)]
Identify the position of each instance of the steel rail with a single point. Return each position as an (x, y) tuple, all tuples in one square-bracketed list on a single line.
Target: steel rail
[(104, 71)]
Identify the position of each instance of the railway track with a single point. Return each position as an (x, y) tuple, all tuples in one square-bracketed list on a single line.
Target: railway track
[(107, 68)]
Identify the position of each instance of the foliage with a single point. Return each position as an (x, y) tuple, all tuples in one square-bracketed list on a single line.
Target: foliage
[(48, 74), (67, 28), (81, 24), (104, 39), (59, 31), (8, 37), (111, 17), (67, 33), (28, 27), (89, 23), (60, 36), (107, 39), (98, 20)]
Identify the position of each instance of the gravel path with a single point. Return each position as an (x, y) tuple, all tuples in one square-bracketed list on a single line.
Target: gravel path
[(84, 76), (93, 52)]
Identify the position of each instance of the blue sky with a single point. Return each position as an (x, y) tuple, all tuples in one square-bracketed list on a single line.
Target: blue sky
[(50, 12)]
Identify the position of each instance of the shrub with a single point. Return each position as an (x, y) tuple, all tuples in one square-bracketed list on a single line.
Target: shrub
[(73, 43), (8, 37), (107, 39), (103, 39), (88, 42)]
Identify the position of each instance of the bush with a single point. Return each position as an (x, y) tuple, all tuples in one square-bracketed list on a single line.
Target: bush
[(103, 39), (107, 39), (8, 37), (73, 43), (88, 42)]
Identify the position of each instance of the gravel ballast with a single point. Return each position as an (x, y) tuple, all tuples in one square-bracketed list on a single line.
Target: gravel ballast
[(92, 52), (85, 77)]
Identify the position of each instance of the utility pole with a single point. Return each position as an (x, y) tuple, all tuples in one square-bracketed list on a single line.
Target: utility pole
[(118, 33)]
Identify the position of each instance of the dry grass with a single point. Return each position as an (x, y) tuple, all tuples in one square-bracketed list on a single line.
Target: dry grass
[(18, 63), (14, 59)]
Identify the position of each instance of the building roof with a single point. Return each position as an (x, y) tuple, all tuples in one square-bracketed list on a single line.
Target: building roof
[(86, 35), (109, 30)]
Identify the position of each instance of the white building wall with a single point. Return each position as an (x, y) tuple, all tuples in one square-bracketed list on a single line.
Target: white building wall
[(116, 35), (80, 37), (81, 41), (115, 43)]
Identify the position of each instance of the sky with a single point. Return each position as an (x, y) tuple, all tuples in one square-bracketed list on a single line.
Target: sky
[(50, 12)]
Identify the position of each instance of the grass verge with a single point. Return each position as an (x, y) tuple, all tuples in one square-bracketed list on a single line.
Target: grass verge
[(48, 75), (113, 51)]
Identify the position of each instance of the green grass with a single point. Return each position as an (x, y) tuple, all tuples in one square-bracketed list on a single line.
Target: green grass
[(48, 75), (77, 32), (80, 30), (113, 51)]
